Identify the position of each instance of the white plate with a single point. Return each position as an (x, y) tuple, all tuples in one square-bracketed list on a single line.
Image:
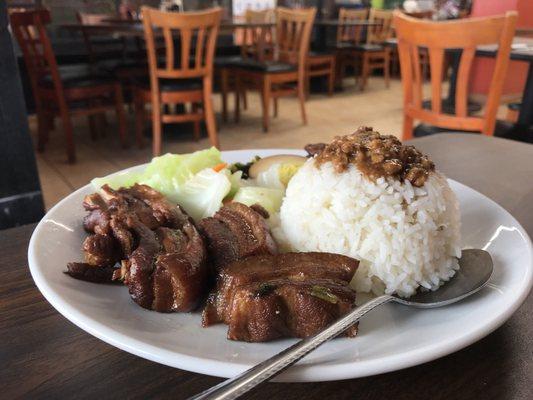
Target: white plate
[(390, 338)]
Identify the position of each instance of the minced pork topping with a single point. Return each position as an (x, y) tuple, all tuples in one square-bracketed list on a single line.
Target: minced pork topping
[(376, 156)]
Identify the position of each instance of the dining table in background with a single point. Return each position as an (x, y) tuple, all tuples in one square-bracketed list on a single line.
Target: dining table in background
[(46, 356), (134, 27)]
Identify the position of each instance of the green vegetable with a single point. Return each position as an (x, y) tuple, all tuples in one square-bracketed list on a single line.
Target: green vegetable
[(201, 196), (168, 172), (324, 293), (269, 198), (118, 180), (186, 179), (236, 182), (244, 168), (165, 173)]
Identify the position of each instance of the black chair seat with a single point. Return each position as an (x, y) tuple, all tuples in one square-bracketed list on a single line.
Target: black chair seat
[(422, 130), (514, 106), (343, 46), (228, 61), (266, 66), (77, 76), (114, 66), (172, 85), (369, 47), (320, 54), (106, 40)]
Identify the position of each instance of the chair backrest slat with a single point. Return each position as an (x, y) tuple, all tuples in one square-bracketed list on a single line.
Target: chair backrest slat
[(293, 34), (200, 45), (95, 50), (417, 77), (462, 36), (179, 29), (29, 28), (463, 75), (186, 37), (351, 34), (383, 29), (436, 62), (258, 40)]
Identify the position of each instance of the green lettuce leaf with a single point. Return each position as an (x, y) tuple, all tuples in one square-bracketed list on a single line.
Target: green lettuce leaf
[(168, 172), (269, 198), (165, 173), (116, 181), (202, 195)]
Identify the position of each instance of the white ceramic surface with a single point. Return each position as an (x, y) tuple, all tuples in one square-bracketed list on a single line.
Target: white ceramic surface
[(390, 338)]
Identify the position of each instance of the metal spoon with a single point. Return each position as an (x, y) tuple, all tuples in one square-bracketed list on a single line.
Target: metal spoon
[(476, 269)]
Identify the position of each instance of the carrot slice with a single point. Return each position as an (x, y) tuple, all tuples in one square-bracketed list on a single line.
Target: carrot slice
[(219, 167)]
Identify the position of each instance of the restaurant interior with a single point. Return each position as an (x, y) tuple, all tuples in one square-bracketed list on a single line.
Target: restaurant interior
[(201, 150)]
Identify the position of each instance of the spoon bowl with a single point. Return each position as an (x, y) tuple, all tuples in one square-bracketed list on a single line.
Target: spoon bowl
[(475, 270)]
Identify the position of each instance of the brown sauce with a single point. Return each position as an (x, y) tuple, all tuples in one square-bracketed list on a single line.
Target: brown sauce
[(377, 156)]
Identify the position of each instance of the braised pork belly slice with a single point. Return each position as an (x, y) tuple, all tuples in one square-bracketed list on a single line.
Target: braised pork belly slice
[(97, 221), (166, 213), (168, 270), (163, 259), (237, 231), (101, 250), (98, 218), (293, 266), (121, 233), (141, 263), (109, 209), (90, 273), (123, 202), (263, 311)]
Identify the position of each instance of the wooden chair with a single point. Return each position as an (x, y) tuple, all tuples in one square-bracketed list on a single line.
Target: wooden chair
[(108, 54), (321, 64), (286, 75), (257, 43), (348, 37), (100, 46), (374, 54), (188, 82), (437, 37), (63, 91), (351, 35)]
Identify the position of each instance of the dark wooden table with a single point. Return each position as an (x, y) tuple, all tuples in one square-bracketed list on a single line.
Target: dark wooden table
[(135, 27), (45, 356)]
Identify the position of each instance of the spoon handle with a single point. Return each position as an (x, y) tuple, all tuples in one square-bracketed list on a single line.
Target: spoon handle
[(235, 387)]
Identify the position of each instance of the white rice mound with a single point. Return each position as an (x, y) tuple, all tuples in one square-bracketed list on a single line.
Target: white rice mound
[(404, 236)]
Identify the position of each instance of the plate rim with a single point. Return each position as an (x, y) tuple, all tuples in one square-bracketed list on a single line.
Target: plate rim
[(308, 373)]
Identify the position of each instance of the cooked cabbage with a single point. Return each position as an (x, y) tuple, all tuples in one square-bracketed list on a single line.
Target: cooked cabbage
[(201, 196), (168, 172), (164, 173), (269, 198)]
